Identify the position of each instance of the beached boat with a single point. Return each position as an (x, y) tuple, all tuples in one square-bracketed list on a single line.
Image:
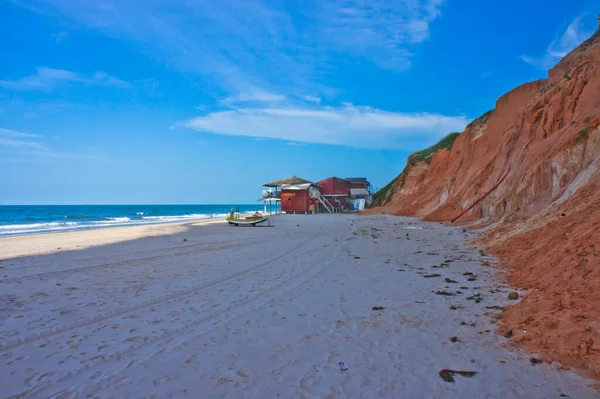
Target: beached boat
[(237, 220)]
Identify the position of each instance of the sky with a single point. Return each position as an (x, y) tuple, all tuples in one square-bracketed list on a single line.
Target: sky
[(181, 101)]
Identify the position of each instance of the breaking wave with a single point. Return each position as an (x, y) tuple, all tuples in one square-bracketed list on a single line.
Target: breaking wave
[(33, 228)]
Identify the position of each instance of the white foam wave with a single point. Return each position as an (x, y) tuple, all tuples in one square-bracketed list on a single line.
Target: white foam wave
[(17, 229), (124, 219), (180, 218), (30, 226)]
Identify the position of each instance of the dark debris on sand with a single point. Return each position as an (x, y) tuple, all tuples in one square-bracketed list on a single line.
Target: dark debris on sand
[(448, 375)]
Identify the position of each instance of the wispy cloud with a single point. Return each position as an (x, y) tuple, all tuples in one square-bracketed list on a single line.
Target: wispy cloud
[(14, 133), (294, 143), (269, 61), (24, 144), (312, 99), (257, 96), (18, 140), (4, 142), (60, 36), (384, 31), (48, 78), (244, 44), (347, 125), (562, 45)]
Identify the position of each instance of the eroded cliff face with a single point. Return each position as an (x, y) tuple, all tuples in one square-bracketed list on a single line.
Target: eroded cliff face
[(544, 219)]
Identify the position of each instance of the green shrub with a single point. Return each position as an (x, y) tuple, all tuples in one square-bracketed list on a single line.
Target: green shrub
[(426, 155), (379, 196), (582, 135)]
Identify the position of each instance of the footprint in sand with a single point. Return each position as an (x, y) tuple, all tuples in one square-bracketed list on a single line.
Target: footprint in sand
[(164, 379), (96, 375), (135, 339), (221, 381), (191, 359), (243, 373), (13, 361)]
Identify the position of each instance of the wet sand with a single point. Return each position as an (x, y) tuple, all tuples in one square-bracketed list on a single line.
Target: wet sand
[(209, 311)]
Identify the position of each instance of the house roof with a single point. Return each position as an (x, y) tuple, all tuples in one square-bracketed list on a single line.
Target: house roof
[(289, 180), (357, 179), (298, 187), (334, 177)]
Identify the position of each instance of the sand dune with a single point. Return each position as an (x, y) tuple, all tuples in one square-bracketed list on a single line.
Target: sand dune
[(217, 311)]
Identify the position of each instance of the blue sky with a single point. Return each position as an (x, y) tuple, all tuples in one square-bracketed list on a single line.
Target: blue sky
[(154, 101)]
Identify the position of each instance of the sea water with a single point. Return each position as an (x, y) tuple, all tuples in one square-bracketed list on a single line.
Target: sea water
[(31, 219)]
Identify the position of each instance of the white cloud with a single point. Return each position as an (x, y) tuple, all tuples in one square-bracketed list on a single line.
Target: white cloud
[(570, 39), (562, 45), (22, 144), (294, 143), (244, 44), (260, 58), (258, 96), (103, 79), (348, 125), (14, 133), (60, 36), (312, 99), (384, 31), (48, 78), (18, 141)]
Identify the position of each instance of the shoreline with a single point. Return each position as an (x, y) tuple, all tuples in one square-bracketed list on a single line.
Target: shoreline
[(15, 246), (111, 226), (42, 219)]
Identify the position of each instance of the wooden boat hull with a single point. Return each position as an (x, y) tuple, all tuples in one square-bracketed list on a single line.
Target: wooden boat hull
[(246, 222)]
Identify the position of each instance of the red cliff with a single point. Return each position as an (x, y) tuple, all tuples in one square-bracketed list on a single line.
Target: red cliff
[(543, 220)]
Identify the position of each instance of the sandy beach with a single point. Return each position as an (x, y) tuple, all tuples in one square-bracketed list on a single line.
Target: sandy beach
[(203, 310)]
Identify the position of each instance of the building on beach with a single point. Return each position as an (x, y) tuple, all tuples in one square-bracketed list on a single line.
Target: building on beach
[(359, 182), (297, 195), (294, 194), (361, 192), (337, 192)]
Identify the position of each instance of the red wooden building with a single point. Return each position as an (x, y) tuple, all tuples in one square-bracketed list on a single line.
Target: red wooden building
[(337, 192), (297, 195), (359, 182)]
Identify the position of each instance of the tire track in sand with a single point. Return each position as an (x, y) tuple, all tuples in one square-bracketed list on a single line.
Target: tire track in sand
[(152, 302), (243, 306), (122, 262)]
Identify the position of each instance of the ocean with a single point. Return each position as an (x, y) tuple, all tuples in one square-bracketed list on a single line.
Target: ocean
[(32, 219)]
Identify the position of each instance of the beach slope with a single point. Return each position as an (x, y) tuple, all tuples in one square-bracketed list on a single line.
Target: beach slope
[(314, 306)]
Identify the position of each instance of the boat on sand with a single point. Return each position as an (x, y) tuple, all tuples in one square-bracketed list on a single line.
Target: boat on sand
[(237, 220)]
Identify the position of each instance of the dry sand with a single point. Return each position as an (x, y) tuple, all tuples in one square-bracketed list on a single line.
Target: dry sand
[(218, 311), (36, 244)]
